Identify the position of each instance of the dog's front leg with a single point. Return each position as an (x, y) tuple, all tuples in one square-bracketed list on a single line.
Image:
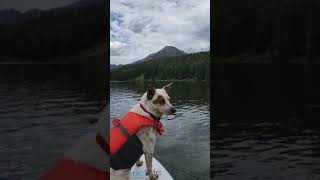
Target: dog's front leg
[(148, 153), (147, 136), (149, 156)]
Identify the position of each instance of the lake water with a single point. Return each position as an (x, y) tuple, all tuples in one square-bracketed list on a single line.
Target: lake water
[(266, 124), (265, 151), (42, 112), (184, 147)]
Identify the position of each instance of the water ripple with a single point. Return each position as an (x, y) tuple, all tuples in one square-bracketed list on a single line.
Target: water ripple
[(39, 122), (239, 148)]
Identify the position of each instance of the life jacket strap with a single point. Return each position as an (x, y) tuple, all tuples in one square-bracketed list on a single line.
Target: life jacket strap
[(117, 123), (123, 130), (103, 144)]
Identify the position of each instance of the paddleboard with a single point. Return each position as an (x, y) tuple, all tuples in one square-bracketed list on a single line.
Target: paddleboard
[(139, 173)]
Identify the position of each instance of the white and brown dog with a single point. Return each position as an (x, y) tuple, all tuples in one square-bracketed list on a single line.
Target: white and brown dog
[(88, 159), (153, 104)]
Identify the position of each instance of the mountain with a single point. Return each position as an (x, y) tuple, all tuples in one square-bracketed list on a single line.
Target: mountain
[(114, 66), (82, 3), (53, 34), (167, 51), (9, 16), (12, 16)]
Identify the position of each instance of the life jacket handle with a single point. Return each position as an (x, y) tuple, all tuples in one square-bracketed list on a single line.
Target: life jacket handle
[(116, 122)]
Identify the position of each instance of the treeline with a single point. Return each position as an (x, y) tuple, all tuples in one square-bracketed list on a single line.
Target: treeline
[(279, 28), (55, 33), (191, 66)]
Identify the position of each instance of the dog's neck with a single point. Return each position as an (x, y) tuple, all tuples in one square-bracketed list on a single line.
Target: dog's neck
[(137, 109)]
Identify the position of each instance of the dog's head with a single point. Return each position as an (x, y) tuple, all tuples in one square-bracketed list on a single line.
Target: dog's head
[(158, 100)]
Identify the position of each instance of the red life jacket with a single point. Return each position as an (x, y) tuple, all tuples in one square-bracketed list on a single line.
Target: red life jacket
[(125, 146), (131, 122), (67, 169)]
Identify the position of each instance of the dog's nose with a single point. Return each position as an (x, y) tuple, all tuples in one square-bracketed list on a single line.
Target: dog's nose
[(173, 110)]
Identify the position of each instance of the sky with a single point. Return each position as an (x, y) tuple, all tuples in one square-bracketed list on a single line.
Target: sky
[(23, 5), (141, 27)]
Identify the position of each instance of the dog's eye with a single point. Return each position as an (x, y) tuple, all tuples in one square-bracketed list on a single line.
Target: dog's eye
[(160, 101)]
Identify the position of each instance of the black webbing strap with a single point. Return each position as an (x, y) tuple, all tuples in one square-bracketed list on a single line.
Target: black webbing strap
[(123, 130)]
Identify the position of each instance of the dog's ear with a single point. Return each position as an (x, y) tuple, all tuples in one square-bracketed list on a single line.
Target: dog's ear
[(150, 92), (167, 87)]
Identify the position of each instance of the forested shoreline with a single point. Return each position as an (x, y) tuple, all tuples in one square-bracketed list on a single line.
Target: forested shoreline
[(276, 28), (52, 35), (195, 66)]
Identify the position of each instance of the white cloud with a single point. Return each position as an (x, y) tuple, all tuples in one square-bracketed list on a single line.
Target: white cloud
[(116, 47), (140, 27)]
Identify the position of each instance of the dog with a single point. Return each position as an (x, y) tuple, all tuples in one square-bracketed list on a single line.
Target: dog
[(153, 105), (86, 160)]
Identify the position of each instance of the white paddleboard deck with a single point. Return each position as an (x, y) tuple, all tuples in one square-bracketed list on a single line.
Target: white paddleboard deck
[(140, 172)]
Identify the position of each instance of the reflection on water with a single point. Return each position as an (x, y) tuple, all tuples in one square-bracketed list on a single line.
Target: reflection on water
[(265, 151), (266, 122), (42, 113), (184, 147)]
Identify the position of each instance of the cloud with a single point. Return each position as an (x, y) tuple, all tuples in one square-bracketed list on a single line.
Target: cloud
[(117, 48), (138, 24), (142, 27)]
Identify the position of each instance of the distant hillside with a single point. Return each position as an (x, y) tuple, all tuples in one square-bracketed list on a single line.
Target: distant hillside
[(114, 66), (89, 66), (167, 51), (9, 16), (281, 29), (190, 66), (44, 35), (12, 16)]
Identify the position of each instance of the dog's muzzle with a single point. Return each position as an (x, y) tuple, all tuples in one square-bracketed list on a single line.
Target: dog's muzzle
[(173, 110)]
